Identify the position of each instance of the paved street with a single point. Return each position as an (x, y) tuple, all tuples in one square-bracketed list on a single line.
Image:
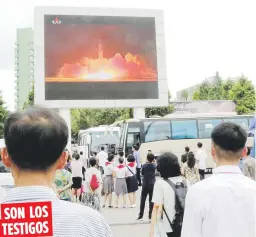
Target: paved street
[(123, 221)]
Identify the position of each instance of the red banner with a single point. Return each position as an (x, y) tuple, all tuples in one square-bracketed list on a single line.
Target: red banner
[(26, 219)]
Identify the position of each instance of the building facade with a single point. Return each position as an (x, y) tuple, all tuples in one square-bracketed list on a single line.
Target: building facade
[(24, 65)]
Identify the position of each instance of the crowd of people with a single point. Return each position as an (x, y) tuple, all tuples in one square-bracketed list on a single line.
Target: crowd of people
[(182, 203)]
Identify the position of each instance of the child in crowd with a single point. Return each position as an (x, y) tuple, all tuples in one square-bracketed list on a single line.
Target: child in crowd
[(91, 197), (190, 171), (108, 180), (132, 183), (120, 173), (149, 179), (77, 176)]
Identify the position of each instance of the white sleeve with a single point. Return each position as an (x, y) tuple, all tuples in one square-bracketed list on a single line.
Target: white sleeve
[(193, 216), (158, 194)]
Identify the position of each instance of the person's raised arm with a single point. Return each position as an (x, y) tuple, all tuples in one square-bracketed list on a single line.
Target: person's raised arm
[(193, 218)]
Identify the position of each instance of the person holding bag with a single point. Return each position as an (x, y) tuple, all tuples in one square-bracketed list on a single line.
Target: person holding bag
[(131, 180), (93, 185), (168, 198)]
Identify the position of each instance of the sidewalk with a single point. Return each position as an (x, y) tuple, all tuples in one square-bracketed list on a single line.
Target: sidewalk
[(123, 220)]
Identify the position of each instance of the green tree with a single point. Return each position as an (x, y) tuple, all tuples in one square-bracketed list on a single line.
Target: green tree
[(30, 98), (184, 95), (243, 93), (226, 87), (203, 90), (161, 111), (215, 90), (3, 115)]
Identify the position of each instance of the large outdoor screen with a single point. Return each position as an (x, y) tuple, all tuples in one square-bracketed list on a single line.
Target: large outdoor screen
[(100, 57)]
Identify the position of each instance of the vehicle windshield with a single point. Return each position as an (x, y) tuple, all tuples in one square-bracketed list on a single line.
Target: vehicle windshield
[(100, 138)]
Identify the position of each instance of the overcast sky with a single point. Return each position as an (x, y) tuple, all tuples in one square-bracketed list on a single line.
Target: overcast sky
[(202, 36)]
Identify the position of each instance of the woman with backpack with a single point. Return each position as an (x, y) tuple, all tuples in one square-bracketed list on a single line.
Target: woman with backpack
[(165, 220), (92, 187), (191, 171)]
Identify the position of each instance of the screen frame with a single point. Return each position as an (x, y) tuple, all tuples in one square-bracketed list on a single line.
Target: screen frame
[(39, 62)]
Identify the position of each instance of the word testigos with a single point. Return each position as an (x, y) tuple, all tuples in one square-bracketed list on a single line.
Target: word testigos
[(26, 220)]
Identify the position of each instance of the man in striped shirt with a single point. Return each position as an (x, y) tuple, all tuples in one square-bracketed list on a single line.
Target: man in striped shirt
[(35, 142)]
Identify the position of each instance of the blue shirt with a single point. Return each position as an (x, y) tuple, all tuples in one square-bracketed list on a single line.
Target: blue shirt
[(149, 174), (137, 158)]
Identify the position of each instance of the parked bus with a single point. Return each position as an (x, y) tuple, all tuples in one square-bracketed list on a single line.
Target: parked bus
[(174, 132), (92, 139)]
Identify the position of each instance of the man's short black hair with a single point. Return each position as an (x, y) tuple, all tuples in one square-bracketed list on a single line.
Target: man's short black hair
[(121, 153), (168, 165), (199, 144), (111, 157), (35, 138), (121, 160), (187, 149), (77, 156), (135, 147), (81, 153), (150, 157), (92, 161), (102, 148), (230, 138), (130, 158)]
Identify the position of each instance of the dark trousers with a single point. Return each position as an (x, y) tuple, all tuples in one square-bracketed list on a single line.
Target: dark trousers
[(146, 191), (174, 234), (138, 175), (201, 172)]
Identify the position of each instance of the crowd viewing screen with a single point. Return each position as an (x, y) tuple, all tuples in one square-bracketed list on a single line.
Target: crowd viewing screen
[(100, 57)]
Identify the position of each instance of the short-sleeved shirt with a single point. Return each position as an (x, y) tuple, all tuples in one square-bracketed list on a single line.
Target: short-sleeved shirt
[(163, 194), (132, 168), (149, 174), (120, 171), (76, 168), (102, 157), (201, 157), (62, 179), (69, 219), (108, 168)]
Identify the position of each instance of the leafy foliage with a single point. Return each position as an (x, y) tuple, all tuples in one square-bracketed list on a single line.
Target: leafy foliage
[(3, 115), (240, 90), (30, 99)]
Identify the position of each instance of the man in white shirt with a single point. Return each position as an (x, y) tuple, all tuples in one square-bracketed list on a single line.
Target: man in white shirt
[(223, 205), (102, 157), (201, 157)]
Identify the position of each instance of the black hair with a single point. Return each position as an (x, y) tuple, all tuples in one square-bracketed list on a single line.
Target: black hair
[(150, 157), (102, 148), (110, 157), (200, 144), (35, 138), (149, 151), (135, 147), (81, 153), (229, 137), (69, 158), (121, 160), (92, 161), (168, 165), (130, 158), (94, 153), (191, 160), (77, 156), (187, 149), (121, 153), (248, 151)]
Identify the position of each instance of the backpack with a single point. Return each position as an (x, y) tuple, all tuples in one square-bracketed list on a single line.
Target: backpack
[(94, 184), (180, 190)]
